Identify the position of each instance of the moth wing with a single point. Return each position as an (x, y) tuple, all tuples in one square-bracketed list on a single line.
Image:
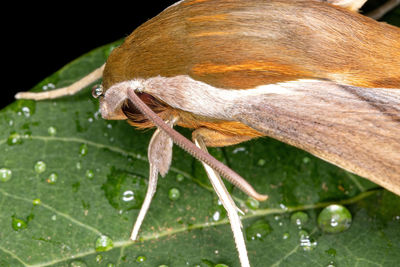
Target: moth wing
[(355, 128)]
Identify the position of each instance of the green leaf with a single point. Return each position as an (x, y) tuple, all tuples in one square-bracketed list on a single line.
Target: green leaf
[(77, 206)]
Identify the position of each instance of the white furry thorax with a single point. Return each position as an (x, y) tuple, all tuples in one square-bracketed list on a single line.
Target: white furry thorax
[(184, 93)]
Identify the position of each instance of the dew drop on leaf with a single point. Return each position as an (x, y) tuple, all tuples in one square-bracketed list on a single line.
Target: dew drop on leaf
[(110, 264), (221, 265), (141, 259), (77, 264), (174, 194), (299, 218), (26, 111), (283, 207), (83, 150), (128, 196), (18, 224), (5, 174), (306, 242), (331, 264), (162, 265), (285, 236), (104, 243), (40, 167), (258, 230), (118, 183), (89, 174), (52, 131), (78, 165), (331, 252), (180, 177), (334, 219), (14, 139), (216, 216), (252, 203), (36, 202), (53, 177), (261, 162)]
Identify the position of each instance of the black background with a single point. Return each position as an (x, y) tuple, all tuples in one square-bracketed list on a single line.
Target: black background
[(39, 39)]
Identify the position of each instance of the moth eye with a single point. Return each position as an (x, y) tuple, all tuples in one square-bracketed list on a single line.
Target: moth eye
[(97, 91)]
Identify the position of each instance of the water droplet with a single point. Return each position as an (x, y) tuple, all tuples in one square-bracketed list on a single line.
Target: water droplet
[(40, 167), (334, 219), (216, 252), (128, 196), (239, 149), (331, 252), (221, 265), (83, 149), (285, 236), (89, 174), (306, 242), (36, 201), (252, 203), (104, 243), (216, 216), (162, 265), (54, 217), (299, 218), (258, 230), (261, 162), (117, 183), (77, 264), (180, 177), (174, 194), (5, 174), (26, 111), (52, 131), (99, 258), (141, 259), (14, 139), (78, 165), (283, 206), (306, 160), (331, 264), (52, 178), (110, 264), (48, 86), (109, 126), (18, 224)]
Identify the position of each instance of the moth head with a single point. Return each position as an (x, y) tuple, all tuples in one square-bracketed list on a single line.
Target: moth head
[(113, 98)]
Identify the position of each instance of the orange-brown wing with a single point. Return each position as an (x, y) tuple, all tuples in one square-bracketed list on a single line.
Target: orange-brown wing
[(242, 44)]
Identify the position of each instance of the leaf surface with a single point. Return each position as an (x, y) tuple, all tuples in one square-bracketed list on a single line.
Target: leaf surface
[(95, 178)]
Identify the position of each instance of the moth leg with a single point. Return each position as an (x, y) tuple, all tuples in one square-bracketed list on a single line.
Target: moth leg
[(213, 138), (69, 90), (151, 190), (383, 9), (229, 205), (160, 156)]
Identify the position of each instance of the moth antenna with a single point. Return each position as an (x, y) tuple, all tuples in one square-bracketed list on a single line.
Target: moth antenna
[(229, 205), (69, 90), (192, 149)]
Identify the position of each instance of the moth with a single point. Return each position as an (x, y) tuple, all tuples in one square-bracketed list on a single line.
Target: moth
[(314, 74)]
